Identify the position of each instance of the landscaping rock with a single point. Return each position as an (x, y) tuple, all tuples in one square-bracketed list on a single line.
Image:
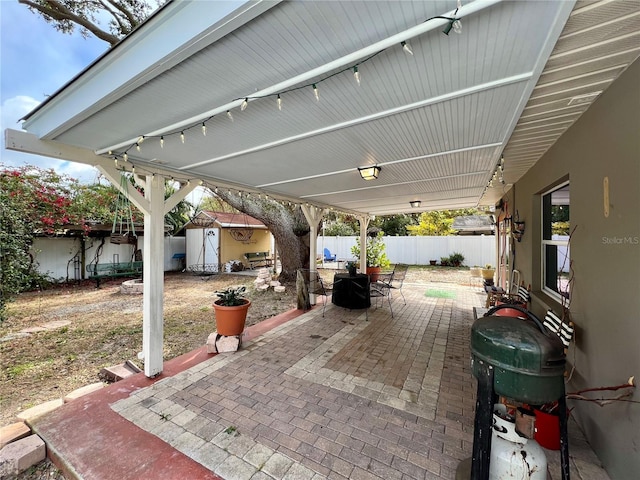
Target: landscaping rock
[(217, 343), (228, 344), (17, 456), (83, 391), (34, 412), (116, 373), (13, 432), (211, 343)]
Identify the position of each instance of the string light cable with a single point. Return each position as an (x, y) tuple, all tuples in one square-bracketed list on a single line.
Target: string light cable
[(453, 24)]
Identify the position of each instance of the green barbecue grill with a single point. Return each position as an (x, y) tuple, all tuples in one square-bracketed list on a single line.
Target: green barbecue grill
[(520, 359), (528, 360)]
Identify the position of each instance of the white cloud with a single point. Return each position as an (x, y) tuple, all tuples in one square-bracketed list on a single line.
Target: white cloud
[(34, 65)]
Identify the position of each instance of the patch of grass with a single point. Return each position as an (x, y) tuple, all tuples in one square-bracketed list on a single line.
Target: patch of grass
[(17, 370)]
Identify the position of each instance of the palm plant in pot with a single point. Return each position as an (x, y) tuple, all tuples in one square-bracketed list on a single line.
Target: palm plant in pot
[(231, 310)]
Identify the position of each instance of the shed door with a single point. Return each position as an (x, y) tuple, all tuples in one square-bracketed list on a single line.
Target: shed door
[(203, 245)]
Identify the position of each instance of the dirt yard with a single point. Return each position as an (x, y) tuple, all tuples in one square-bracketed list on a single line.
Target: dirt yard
[(84, 329)]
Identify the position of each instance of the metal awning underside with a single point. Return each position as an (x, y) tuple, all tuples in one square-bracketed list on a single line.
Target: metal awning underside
[(437, 121)]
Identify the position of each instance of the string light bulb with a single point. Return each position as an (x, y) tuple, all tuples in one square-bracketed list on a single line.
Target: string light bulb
[(229, 115), (406, 48), (162, 142), (137, 146), (243, 107), (356, 75), (279, 100), (140, 139), (204, 129), (315, 92), (125, 157), (182, 136)]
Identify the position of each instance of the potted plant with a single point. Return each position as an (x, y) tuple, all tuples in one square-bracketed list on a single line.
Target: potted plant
[(488, 272), (376, 256), (231, 310), (352, 268)]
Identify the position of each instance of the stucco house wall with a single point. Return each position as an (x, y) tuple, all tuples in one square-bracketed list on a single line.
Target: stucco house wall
[(231, 249), (605, 252)]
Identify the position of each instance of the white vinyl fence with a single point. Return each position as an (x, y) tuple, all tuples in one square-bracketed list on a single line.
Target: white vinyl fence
[(477, 250), (59, 258), (55, 256)]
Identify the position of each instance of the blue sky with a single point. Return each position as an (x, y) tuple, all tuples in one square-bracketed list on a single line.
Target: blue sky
[(35, 61)]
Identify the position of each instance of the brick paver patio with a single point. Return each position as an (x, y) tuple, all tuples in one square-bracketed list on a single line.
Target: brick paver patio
[(333, 397)]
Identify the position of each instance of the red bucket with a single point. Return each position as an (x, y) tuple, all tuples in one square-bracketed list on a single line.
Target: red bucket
[(547, 430)]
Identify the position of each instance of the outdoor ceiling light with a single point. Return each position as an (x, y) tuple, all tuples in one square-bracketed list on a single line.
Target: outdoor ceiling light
[(415, 203), (369, 173)]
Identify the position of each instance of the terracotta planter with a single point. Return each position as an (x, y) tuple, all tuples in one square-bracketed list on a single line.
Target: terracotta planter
[(374, 273), (230, 321)]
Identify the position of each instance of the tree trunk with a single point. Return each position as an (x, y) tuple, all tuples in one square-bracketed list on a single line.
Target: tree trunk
[(287, 225)]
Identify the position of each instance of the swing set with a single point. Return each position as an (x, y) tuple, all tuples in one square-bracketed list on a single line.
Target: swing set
[(123, 230)]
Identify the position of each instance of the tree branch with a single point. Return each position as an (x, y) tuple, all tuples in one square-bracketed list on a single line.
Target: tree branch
[(55, 11), (132, 19)]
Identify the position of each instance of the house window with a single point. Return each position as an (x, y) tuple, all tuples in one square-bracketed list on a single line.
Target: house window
[(555, 243)]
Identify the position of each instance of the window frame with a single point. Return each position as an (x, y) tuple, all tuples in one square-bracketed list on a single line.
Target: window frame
[(544, 243)]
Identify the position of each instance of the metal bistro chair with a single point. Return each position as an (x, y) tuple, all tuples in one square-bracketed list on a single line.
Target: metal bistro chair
[(397, 279), (316, 286), (386, 283)]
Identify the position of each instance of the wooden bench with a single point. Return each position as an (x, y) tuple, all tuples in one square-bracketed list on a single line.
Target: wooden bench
[(258, 259), (112, 270)]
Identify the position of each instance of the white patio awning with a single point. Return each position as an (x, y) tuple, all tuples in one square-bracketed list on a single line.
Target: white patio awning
[(437, 122)]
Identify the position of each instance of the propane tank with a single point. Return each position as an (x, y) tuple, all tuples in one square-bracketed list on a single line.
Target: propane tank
[(513, 456)]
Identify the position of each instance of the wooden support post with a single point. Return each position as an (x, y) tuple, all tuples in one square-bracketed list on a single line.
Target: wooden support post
[(153, 273)]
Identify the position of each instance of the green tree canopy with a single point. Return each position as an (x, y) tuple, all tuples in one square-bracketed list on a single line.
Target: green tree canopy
[(438, 222)]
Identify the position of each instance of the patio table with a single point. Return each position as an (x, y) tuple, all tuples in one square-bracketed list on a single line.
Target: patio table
[(351, 291)]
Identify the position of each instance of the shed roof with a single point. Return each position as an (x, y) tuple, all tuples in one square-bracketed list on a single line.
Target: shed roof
[(227, 220)]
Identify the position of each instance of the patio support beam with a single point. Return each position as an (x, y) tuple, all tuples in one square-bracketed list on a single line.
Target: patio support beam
[(364, 224), (154, 207), (134, 196), (153, 274)]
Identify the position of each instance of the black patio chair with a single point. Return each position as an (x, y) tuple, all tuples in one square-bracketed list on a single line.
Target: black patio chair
[(315, 285), (397, 279), (388, 282)]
